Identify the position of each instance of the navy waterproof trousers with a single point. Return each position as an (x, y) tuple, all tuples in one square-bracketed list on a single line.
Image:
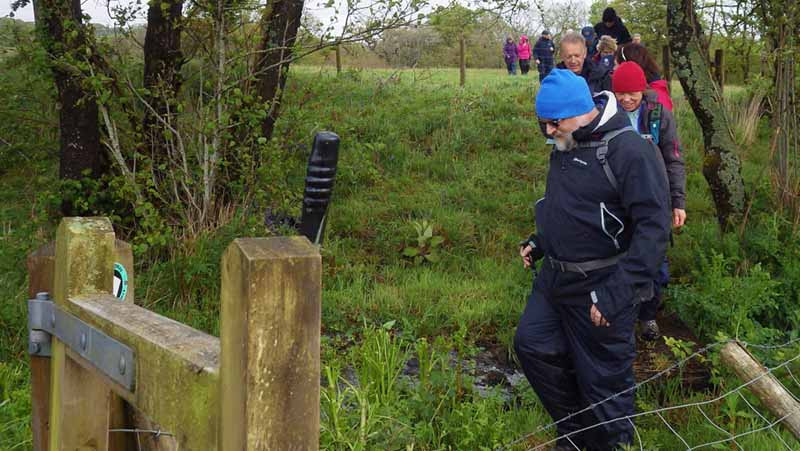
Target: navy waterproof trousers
[(571, 364)]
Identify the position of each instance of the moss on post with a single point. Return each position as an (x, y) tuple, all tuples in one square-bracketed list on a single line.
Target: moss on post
[(270, 329), (84, 265)]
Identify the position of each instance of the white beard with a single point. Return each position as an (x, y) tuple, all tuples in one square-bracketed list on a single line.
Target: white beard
[(565, 143)]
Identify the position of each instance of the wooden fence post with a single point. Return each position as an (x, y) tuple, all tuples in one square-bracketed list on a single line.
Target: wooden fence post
[(774, 396), (269, 334), (338, 59), (719, 69), (41, 265), (80, 400), (41, 269), (462, 61)]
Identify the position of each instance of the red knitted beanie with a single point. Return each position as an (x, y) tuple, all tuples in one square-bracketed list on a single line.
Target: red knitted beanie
[(628, 77)]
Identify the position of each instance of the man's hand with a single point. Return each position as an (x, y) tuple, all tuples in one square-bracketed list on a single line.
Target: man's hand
[(525, 253), (597, 317), (678, 217), (538, 62)]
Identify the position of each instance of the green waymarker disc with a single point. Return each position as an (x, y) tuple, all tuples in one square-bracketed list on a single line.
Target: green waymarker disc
[(120, 281)]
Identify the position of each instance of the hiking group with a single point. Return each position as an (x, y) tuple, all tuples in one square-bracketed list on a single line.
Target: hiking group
[(615, 188)]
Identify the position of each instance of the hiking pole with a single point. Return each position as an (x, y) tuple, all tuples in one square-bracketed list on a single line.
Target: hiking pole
[(319, 185)]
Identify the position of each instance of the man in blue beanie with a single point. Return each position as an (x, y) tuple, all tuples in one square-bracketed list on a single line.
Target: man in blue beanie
[(602, 231)]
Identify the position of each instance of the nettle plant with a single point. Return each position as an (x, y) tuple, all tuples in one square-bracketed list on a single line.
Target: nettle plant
[(427, 244)]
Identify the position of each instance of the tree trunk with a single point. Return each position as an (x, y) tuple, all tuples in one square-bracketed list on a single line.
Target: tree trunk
[(162, 66), (66, 38), (721, 165), (279, 23)]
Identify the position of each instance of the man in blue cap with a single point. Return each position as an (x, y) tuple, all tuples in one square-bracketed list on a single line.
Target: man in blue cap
[(602, 231)]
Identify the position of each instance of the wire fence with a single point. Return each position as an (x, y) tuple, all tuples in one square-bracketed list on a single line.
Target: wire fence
[(730, 437)]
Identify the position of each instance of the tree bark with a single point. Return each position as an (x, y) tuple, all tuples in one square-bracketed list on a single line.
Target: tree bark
[(68, 42), (162, 78), (721, 165), (279, 23)]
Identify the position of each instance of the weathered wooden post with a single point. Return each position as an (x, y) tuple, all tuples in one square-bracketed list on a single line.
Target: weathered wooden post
[(269, 333), (462, 61), (41, 265), (80, 399), (41, 269), (779, 401), (719, 69), (338, 59)]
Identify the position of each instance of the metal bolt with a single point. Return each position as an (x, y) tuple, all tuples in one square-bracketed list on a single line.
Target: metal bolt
[(43, 296), (53, 319), (83, 340), (34, 348), (122, 365)]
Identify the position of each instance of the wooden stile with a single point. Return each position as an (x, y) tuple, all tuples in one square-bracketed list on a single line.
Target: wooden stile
[(256, 388)]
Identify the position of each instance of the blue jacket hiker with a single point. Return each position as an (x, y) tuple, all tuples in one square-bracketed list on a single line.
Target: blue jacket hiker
[(591, 41), (510, 56), (602, 229), (543, 52)]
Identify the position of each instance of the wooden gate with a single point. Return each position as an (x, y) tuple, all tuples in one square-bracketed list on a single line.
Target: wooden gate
[(118, 375)]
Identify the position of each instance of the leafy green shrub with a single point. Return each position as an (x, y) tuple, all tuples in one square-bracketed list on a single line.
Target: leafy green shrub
[(719, 300)]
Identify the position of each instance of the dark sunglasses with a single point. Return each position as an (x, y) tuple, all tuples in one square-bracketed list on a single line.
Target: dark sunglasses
[(553, 122)]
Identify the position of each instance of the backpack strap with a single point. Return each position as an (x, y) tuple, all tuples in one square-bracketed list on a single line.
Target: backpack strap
[(602, 151), (654, 122)]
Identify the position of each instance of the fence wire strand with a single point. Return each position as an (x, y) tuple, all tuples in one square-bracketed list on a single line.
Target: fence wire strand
[(719, 428), (658, 411), (774, 432)]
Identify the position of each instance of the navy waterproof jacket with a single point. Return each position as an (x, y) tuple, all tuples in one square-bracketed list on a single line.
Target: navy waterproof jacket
[(583, 218), (617, 31), (543, 51), (597, 76)]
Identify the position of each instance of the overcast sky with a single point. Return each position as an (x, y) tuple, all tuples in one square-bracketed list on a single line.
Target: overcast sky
[(97, 9)]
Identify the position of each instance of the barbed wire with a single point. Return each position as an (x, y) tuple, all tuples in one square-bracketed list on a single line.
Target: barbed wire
[(731, 437), (156, 434)]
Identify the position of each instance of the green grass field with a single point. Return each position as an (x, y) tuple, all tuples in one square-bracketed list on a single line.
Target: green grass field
[(417, 150)]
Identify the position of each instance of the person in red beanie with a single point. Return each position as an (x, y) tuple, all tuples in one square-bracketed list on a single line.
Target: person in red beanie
[(652, 73), (657, 124)]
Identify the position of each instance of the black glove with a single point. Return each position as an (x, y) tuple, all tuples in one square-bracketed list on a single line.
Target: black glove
[(537, 253)]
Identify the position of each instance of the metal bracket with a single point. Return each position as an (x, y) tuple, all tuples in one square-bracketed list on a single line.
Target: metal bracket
[(108, 355)]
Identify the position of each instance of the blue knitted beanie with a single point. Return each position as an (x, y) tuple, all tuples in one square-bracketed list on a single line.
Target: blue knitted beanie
[(562, 95)]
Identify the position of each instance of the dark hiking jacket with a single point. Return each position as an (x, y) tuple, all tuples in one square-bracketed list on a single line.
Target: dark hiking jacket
[(670, 147), (597, 77), (583, 217), (543, 51), (617, 31)]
